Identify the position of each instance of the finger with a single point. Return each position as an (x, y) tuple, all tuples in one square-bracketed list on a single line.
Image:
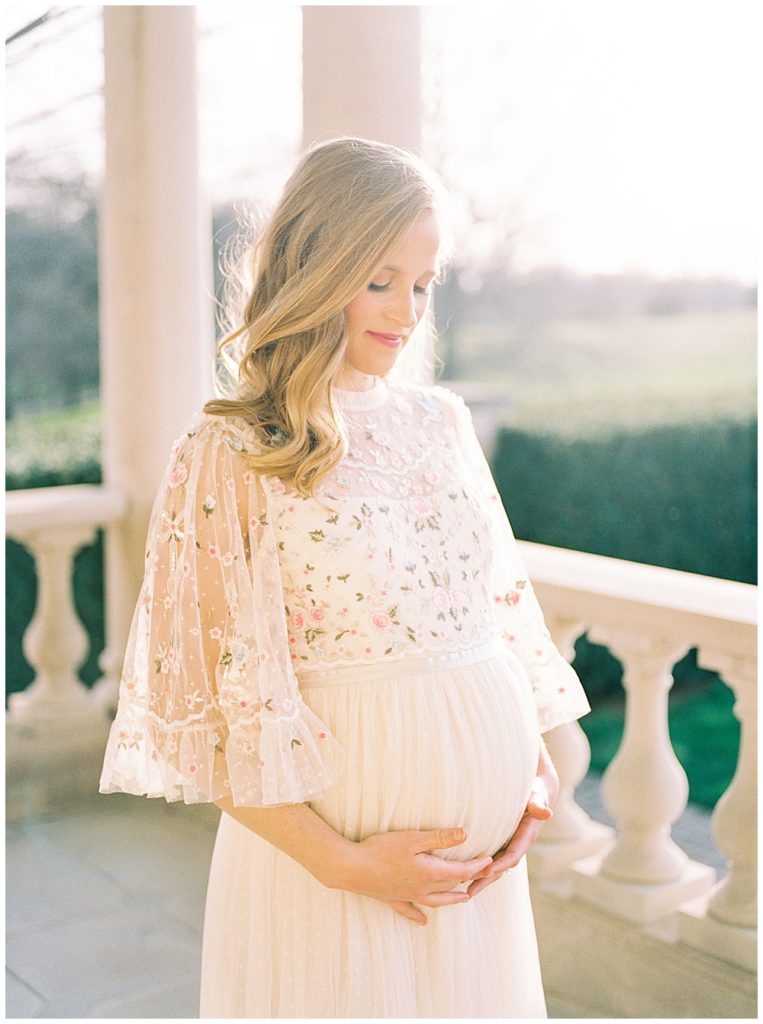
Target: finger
[(480, 884), (539, 809), (438, 839), (443, 899), (452, 871), (408, 910), (519, 844), (460, 878)]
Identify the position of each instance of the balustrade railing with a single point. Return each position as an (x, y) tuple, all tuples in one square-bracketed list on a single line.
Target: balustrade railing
[(647, 616), (54, 523)]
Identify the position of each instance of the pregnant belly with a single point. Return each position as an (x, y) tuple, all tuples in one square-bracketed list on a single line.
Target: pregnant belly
[(432, 749)]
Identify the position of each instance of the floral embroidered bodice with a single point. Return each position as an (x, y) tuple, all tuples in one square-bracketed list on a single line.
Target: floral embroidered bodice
[(399, 560), (404, 550)]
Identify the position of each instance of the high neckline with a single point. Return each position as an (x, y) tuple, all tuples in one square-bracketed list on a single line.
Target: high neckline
[(359, 400)]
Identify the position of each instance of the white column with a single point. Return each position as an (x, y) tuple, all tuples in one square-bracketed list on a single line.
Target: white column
[(362, 74), (645, 789), (156, 317), (726, 923)]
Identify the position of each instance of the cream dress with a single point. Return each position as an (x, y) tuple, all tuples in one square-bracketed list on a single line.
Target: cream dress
[(377, 651)]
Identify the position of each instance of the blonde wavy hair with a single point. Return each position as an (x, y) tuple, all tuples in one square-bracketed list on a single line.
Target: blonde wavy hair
[(348, 204)]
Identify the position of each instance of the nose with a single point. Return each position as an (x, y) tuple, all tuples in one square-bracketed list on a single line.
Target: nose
[(402, 309)]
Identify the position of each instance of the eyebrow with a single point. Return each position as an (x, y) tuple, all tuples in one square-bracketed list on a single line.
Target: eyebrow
[(397, 270)]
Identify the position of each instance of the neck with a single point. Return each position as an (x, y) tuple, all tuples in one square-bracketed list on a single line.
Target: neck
[(350, 379)]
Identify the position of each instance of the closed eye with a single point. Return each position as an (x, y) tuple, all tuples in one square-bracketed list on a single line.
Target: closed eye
[(383, 288)]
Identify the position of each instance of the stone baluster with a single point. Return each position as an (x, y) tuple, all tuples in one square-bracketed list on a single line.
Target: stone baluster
[(645, 874), (571, 833), (55, 642), (725, 924), (735, 814)]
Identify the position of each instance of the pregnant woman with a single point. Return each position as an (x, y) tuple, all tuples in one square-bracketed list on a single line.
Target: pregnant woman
[(336, 640)]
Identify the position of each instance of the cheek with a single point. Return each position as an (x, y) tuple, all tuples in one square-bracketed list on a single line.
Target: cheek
[(356, 314)]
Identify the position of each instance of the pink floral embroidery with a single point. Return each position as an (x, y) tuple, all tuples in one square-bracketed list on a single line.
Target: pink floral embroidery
[(178, 474), (421, 506)]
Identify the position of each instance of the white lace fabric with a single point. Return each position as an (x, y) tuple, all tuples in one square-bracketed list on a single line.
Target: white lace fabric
[(249, 587)]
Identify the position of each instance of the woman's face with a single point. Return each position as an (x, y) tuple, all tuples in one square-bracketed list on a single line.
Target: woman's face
[(380, 319)]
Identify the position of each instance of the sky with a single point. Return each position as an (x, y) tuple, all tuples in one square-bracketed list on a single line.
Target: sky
[(603, 137)]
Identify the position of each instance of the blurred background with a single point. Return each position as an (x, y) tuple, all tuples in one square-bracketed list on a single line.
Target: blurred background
[(599, 316), (601, 307)]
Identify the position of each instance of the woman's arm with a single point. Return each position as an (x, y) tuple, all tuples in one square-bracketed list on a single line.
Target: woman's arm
[(394, 867), (542, 798)]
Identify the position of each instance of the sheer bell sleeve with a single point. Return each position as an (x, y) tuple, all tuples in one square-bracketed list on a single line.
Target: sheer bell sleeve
[(209, 705), (559, 695)]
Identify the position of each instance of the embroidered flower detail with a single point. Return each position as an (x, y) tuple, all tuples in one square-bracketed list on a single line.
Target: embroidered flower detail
[(178, 474), (234, 442), (381, 620), (420, 506), (209, 505)]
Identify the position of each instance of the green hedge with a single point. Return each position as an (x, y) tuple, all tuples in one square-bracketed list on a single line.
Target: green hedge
[(681, 496)]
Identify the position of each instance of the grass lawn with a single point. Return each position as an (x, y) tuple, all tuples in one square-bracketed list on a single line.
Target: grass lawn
[(575, 377)]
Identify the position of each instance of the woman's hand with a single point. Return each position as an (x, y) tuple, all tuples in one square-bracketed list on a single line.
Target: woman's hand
[(398, 868), (542, 797)]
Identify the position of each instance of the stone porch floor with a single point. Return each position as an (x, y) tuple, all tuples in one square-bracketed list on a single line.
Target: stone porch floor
[(105, 904)]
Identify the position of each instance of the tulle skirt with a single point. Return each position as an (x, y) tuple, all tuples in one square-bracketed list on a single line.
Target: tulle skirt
[(429, 743)]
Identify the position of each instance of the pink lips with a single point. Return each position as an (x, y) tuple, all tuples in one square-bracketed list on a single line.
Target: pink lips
[(392, 340)]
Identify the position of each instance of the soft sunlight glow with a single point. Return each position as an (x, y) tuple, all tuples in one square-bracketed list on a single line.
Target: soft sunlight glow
[(613, 137), (597, 136)]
